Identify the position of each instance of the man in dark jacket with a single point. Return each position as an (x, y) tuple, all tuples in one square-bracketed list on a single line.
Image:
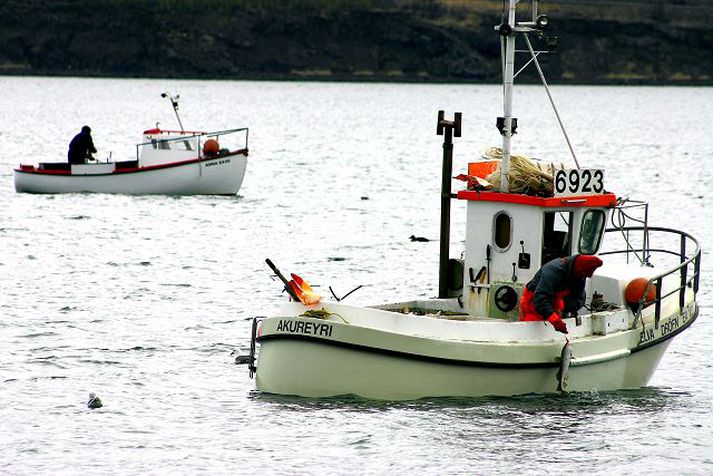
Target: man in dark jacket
[(81, 147), (557, 288)]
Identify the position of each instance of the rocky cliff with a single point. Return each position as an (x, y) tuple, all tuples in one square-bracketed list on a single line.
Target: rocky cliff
[(407, 40)]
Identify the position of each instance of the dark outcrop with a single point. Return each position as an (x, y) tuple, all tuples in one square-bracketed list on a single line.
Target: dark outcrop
[(405, 40)]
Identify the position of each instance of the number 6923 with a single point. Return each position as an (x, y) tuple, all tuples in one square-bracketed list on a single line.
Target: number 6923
[(578, 181)]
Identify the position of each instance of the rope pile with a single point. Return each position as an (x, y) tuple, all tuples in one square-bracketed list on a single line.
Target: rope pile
[(527, 176)]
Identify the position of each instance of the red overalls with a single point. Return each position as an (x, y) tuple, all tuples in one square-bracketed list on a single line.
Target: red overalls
[(527, 305)]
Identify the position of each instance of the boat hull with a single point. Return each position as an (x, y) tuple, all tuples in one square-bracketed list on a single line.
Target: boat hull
[(315, 358), (375, 376), (219, 176)]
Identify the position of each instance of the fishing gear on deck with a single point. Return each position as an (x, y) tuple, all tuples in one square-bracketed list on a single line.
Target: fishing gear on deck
[(347, 294), (284, 280), (298, 289)]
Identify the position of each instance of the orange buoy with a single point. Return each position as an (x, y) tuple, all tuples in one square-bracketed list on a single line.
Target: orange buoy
[(635, 291), (211, 147)]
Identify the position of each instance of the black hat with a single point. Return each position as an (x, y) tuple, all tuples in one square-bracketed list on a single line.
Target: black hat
[(86, 129)]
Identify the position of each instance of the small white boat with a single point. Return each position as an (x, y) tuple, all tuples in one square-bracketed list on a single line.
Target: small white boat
[(469, 341), (167, 162)]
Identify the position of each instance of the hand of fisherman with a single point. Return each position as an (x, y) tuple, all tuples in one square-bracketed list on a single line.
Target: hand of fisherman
[(557, 323)]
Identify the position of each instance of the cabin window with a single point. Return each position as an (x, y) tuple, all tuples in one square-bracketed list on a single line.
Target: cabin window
[(183, 145), (164, 145), (556, 235), (502, 231), (590, 235)]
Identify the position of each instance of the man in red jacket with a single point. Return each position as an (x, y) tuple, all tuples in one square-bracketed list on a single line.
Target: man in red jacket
[(557, 288)]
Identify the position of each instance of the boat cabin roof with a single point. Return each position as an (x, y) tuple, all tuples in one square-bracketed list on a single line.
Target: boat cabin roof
[(157, 131), (600, 200)]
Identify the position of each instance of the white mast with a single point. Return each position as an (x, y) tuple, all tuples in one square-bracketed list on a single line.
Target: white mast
[(508, 78)]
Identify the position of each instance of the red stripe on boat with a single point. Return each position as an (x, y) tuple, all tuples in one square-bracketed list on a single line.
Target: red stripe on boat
[(162, 131), (121, 170), (603, 200)]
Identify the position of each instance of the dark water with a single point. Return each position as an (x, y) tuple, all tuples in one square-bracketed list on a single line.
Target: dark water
[(143, 299)]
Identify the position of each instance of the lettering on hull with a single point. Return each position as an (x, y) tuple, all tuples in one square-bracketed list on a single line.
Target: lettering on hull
[(217, 162), (648, 335), (305, 327), (669, 326)]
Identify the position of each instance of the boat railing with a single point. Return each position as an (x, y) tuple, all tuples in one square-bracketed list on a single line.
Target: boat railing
[(687, 269), (625, 212), (200, 137)]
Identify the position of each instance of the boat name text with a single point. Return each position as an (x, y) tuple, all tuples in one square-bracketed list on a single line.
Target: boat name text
[(670, 326), (305, 327), (219, 162), (648, 335)]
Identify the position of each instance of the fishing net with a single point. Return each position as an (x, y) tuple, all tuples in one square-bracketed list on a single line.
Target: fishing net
[(527, 176)]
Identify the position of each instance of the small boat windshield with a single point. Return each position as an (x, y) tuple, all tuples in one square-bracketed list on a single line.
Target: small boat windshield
[(590, 236), (163, 144), (556, 242)]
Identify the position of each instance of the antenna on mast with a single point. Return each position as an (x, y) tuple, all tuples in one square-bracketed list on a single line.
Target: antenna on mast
[(505, 123), (174, 103), (508, 29)]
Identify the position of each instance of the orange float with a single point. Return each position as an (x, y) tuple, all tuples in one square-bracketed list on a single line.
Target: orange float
[(635, 291), (211, 147)]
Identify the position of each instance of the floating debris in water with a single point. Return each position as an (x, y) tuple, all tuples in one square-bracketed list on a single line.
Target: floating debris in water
[(243, 360), (365, 198), (94, 401)]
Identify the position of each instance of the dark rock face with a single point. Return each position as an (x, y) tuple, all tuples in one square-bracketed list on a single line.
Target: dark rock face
[(428, 40)]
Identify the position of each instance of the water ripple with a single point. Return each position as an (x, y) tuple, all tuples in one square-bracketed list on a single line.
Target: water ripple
[(147, 300)]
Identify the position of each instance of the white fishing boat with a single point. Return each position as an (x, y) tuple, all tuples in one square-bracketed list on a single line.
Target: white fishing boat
[(470, 341), (167, 162)]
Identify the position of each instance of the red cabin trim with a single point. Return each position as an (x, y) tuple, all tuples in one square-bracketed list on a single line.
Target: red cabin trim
[(603, 200), (162, 131)]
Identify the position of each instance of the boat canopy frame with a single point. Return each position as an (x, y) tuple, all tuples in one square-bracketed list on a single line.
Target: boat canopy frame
[(688, 278), (199, 135)]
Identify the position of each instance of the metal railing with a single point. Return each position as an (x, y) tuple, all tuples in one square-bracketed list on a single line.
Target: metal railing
[(688, 268), (622, 214), (195, 135)]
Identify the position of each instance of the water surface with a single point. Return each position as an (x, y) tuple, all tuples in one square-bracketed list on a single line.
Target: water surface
[(143, 300)]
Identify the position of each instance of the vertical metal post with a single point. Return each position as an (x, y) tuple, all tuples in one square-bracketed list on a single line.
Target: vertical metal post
[(645, 255), (174, 104), (508, 79), (251, 364), (448, 129), (684, 275), (657, 306)]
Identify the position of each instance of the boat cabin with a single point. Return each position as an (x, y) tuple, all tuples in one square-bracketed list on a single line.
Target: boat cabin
[(510, 236), (159, 146)]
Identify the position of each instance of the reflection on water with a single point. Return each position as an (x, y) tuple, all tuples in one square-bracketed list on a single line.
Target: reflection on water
[(626, 402)]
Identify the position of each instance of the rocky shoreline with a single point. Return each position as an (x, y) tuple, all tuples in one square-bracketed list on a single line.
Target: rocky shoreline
[(398, 40)]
